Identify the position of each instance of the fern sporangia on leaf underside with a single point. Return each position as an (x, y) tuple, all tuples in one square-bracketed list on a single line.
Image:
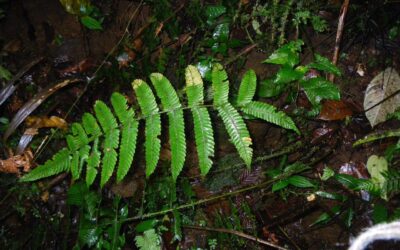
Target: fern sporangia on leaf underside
[(101, 140)]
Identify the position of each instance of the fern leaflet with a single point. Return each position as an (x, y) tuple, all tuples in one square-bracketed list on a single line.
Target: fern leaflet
[(129, 134), (93, 163), (170, 101), (269, 113), (203, 130), (247, 88), (220, 85), (148, 105), (237, 131), (111, 140), (58, 164)]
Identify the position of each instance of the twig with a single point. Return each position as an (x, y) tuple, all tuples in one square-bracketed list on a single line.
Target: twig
[(210, 199), (10, 87), (377, 136), (237, 233), (241, 53), (96, 71), (339, 33)]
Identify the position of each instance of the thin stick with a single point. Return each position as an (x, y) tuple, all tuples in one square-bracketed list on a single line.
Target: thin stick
[(241, 53), (237, 233), (96, 71), (339, 33)]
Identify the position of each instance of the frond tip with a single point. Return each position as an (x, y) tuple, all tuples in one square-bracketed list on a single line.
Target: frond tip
[(269, 113), (58, 164)]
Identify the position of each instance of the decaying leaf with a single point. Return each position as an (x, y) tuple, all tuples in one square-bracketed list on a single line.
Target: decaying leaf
[(14, 163), (46, 122), (25, 139), (334, 110), (33, 103), (382, 97)]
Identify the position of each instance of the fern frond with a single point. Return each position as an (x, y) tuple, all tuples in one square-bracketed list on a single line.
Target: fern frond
[(108, 164), (269, 113), (120, 107), (59, 163), (148, 105), (170, 102), (237, 131), (194, 86), (90, 125), (79, 132), (220, 84), (93, 163), (129, 134), (168, 96), (83, 157), (203, 130), (105, 116), (111, 140), (127, 148), (392, 182), (74, 168), (247, 88)]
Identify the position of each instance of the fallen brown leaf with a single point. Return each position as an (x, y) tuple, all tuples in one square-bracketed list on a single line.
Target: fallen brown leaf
[(334, 110)]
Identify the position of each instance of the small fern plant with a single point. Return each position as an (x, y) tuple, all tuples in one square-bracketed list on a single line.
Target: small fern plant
[(107, 140)]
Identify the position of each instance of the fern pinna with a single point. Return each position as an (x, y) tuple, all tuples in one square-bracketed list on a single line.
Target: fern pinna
[(107, 140)]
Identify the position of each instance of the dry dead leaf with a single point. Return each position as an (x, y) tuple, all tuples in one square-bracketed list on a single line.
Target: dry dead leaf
[(46, 122), (382, 97), (14, 163), (34, 102)]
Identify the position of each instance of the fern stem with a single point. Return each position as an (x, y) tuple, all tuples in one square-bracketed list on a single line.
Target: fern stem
[(377, 136), (210, 199)]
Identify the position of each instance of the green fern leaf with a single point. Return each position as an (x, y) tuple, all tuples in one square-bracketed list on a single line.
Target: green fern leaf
[(90, 125), (194, 86), (203, 130), (109, 161), (59, 163), (120, 106), (127, 148), (105, 117), (83, 157), (247, 88), (170, 102), (148, 105), (111, 140), (237, 131), (269, 113), (75, 165), (79, 132), (93, 163), (220, 85), (169, 98), (72, 143), (129, 134)]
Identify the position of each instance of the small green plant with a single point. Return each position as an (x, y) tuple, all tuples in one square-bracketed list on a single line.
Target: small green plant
[(98, 226), (88, 14), (91, 144), (291, 76)]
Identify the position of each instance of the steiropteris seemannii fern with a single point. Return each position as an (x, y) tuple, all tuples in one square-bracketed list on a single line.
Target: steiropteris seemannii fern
[(102, 142)]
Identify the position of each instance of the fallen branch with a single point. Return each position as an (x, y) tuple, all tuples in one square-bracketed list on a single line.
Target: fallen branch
[(339, 33), (237, 233)]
